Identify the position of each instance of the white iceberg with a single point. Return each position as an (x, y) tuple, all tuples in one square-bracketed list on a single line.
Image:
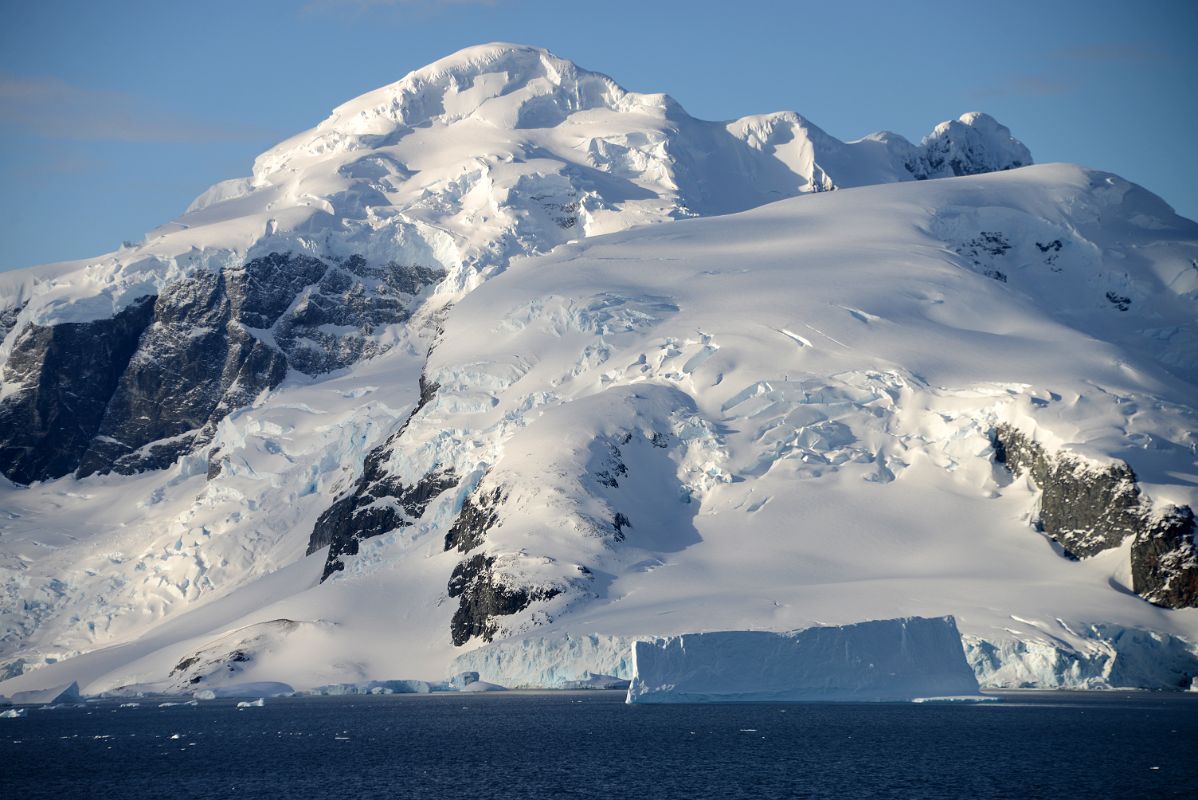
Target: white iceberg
[(879, 661), (556, 661), (376, 687), (255, 688), (68, 693), (259, 703), (482, 686), (12, 713)]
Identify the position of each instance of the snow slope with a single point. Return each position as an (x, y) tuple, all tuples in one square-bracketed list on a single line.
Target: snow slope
[(766, 420)]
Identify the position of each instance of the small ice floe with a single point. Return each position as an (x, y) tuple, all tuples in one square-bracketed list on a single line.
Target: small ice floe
[(964, 698), (175, 736), (259, 703), (129, 705), (13, 713), (178, 703), (482, 686)]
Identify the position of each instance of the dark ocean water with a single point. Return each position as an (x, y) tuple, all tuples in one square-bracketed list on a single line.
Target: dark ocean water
[(589, 744)]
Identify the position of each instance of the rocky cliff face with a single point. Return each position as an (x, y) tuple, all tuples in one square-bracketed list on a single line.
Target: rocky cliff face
[(137, 391), (1088, 509), (482, 596), (1164, 560), (62, 377), (379, 502)]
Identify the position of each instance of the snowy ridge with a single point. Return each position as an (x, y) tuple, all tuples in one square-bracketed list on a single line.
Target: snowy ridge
[(493, 152), (769, 420)]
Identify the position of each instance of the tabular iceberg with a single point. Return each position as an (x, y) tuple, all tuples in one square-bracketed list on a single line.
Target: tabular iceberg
[(68, 693), (876, 661)]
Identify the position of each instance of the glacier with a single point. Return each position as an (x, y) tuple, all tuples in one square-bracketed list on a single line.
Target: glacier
[(549, 367)]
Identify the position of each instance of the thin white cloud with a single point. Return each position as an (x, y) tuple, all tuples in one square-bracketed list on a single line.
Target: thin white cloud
[(52, 108), (1026, 86), (1116, 53), (362, 6)]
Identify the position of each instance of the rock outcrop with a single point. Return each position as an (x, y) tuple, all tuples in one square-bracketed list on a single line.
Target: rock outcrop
[(64, 376), (482, 596), (1164, 560), (379, 502), (1085, 507), (136, 391), (1088, 508)]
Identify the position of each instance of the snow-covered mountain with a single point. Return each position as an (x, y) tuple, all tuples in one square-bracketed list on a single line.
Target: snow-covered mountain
[(504, 353), (422, 187)]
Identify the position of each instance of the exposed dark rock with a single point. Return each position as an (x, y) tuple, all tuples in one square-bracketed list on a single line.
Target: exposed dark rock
[(218, 339), (613, 467), (985, 246), (479, 514), (8, 319), (353, 299), (481, 598), (183, 665), (1088, 509), (230, 653), (983, 250), (64, 376), (380, 507), (1164, 560), (378, 503), (195, 363), (1119, 301), (620, 522), (216, 462), (263, 289), (993, 243)]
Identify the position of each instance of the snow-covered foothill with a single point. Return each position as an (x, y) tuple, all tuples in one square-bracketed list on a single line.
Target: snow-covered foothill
[(875, 661)]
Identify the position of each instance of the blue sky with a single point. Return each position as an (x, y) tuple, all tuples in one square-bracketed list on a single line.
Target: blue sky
[(114, 115)]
